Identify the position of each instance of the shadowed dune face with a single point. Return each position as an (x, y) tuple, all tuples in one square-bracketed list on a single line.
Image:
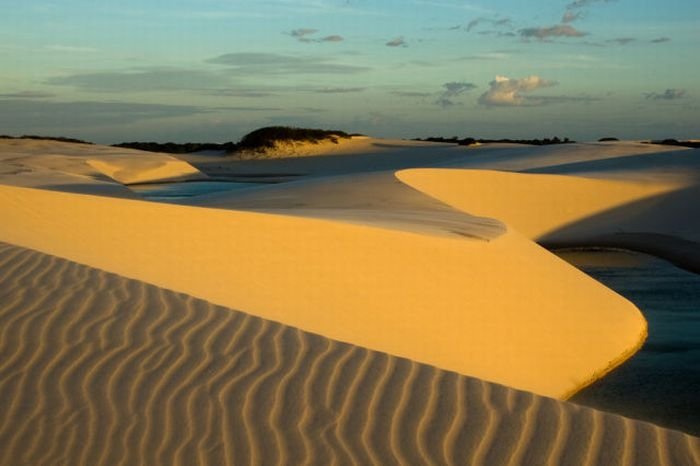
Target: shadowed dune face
[(96, 369)]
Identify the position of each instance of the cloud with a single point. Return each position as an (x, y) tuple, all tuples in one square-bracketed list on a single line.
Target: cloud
[(266, 64), (249, 109), (660, 40), (411, 94), (473, 23), (560, 30), (507, 92), (397, 42), (28, 115), (571, 16), (276, 90), (668, 94), (248, 93), (333, 38), (621, 40), (573, 10), (488, 56), (142, 80), (584, 3), (70, 48), (302, 35), (339, 90), (503, 22), (452, 90), (27, 95), (556, 99)]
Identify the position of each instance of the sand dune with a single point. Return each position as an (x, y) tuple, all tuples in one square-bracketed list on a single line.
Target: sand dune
[(86, 168), (659, 217), (365, 305), (500, 318), (97, 369), (557, 200), (383, 200)]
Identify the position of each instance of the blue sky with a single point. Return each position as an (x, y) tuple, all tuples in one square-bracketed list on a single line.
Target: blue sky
[(212, 70)]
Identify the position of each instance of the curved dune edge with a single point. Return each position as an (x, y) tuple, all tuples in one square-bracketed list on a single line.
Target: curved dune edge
[(506, 310), (98, 369), (153, 168), (534, 204)]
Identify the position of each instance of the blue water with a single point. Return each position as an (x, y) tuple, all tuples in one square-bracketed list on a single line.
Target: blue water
[(661, 383), (184, 190)]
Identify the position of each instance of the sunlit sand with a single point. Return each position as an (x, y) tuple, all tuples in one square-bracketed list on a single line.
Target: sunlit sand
[(390, 306)]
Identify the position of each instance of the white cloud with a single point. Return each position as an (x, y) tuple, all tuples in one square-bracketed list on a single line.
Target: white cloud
[(508, 92)]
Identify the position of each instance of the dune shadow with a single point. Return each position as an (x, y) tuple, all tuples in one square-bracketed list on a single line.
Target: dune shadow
[(668, 160), (656, 225)]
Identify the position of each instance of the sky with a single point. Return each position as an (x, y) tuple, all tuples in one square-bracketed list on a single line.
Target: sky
[(213, 70)]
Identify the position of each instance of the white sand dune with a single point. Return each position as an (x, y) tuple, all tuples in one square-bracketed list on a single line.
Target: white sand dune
[(86, 168), (536, 205), (500, 318), (97, 370)]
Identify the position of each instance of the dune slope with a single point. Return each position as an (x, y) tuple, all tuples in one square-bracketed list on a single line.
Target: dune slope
[(97, 369), (487, 308)]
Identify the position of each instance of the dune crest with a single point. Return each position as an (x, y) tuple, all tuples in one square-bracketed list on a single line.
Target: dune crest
[(503, 324)]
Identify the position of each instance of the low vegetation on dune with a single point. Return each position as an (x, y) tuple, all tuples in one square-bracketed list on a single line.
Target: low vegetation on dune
[(269, 137), (256, 141), (470, 141), (46, 138), (178, 148), (673, 142)]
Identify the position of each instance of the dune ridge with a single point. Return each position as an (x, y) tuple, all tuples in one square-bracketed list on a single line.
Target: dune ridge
[(384, 286), (97, 369)]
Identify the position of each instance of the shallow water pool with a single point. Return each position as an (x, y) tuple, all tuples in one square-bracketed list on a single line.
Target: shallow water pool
[(184, 190), (661, 383)]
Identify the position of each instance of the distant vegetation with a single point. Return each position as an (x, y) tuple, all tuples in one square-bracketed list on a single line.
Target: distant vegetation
[(176, 148), (470, 141), (258, 140), (607, 139), (674, 142), (46, 138), (267, 138)]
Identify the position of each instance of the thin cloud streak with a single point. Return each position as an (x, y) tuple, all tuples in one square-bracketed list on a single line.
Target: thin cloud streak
[(542, 33), (397, 42), (668, 94)]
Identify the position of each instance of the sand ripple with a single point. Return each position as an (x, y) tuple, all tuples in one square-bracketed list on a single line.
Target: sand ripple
[(96, 369)]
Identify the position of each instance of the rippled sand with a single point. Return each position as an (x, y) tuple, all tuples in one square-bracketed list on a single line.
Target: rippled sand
[(96, 369)]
